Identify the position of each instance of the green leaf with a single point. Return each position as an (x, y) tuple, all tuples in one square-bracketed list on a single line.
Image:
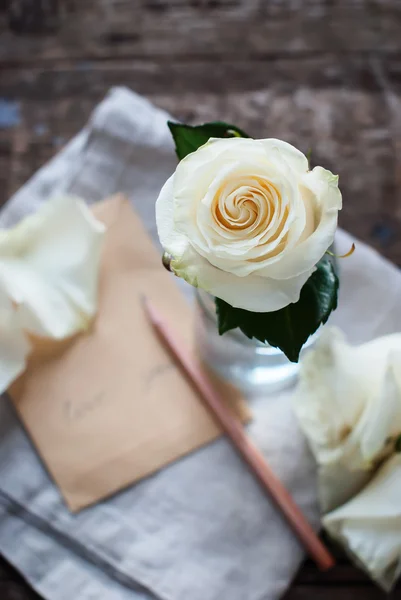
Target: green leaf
[(189, 138), (226, 319), (290, 327)]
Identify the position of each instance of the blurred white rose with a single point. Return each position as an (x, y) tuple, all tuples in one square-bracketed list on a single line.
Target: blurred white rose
[(348, 403), (49, 269), (247, 221), (349, 406)]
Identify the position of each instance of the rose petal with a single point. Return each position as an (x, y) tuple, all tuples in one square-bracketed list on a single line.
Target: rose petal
[(369, 525), (198, 171), (14, 346), (323, 186), (260, 294), (292, 156), (49, 266), (174, 242), (348, 403), (236, 254), (329, 399), (381, 419)]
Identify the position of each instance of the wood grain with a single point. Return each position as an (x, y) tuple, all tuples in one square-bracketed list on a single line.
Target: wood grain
[(241, 29), (352, 130), (12, 585)]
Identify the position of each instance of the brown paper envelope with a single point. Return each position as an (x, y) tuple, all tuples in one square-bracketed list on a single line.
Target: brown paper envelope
[(110, 406)]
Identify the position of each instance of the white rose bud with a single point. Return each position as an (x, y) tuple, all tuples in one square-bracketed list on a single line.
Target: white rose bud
[(247, 221)]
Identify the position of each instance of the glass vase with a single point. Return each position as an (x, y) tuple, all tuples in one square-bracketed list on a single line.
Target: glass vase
[(252, 366)]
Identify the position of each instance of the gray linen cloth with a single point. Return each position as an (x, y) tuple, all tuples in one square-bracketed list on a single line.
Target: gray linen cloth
[(202, 528)]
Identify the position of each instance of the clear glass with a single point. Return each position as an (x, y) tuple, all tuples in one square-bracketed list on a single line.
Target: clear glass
[(252, 366)]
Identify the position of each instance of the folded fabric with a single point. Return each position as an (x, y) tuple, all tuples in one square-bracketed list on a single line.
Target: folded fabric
[(201, 529), (57, 569)]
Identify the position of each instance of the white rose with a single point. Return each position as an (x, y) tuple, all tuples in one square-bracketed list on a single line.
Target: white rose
[(247, 221)]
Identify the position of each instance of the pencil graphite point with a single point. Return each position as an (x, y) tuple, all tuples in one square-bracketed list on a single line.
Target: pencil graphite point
[(145, 305), (150, 311), (144, 300)]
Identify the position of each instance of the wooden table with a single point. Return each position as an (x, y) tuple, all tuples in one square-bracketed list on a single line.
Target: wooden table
[(322, 74)]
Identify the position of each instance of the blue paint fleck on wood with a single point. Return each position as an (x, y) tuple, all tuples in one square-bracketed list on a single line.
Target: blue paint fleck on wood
[(384, 233), (41, 129), (58, 140), (10, 115)]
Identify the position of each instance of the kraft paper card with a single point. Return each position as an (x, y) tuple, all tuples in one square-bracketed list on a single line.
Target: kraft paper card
[(110, 406)]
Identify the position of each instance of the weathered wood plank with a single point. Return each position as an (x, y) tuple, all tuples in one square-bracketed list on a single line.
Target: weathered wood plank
[(12, 586), (323, 74), (220, 77), (342, 574), (345, 582), (333, 592), (350, 130), (236, 28)]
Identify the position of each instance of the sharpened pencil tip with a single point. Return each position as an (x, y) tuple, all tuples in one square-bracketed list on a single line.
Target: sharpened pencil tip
[(145, 304), (150, 310), (143, 299)]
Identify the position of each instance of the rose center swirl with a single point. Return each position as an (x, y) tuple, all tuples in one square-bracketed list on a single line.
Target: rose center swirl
[(253, 206)]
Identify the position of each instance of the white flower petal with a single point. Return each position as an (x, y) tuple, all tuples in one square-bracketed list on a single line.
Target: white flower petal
[(173, 241), (292, 156), (381, 419), (369, 525), (329, 399), (196, 172), (260, 294), (49, 264), (349, 404), (323, 185), (14, 346), (337, 484)]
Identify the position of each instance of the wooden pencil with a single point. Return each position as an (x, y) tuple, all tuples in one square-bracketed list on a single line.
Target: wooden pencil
[(234, 429)]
